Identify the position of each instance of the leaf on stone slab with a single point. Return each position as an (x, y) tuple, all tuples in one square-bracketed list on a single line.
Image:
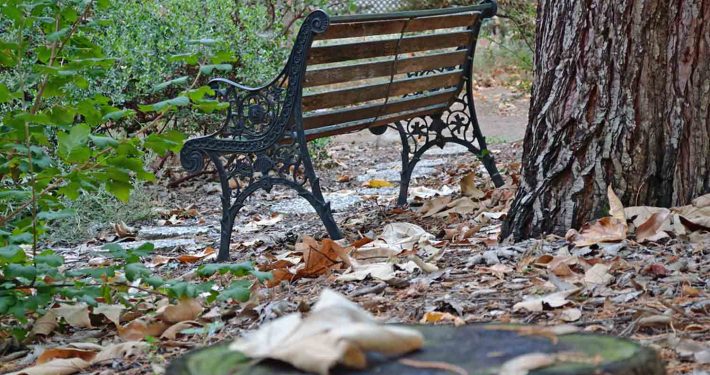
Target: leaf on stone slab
[(76, 316), (606, 229), (523, 364), (650, 230), (336, 331), (185, 309), (539, 303)]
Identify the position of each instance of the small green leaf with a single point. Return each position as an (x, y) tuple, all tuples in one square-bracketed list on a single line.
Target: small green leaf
[(188, 58), (50, 259), (55, 36), (11, 254), (207, 69), (239, 290), (72, 145), (262, 276), (135, 271), (179, 101), (54, 215), (204, 41), (13, 271), (117, 115), (177, 81), (6, 95)]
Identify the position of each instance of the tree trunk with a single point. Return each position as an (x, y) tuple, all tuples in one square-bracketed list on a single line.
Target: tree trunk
[(621, 95)]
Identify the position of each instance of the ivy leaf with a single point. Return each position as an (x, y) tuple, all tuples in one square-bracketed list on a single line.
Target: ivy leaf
[(5, 303), (262, 276), (162, 143), (208, 69), (238, 291), (135, 271), (239, 269), (188, 58), (177, 81), (117, 115), (165, 105), (103, 142)]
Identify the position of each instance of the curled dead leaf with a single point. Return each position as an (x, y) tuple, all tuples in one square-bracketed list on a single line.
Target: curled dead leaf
[(606, 229), (185, 309)]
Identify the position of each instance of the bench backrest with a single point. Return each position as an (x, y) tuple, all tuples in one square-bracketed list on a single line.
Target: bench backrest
[(368, 71)]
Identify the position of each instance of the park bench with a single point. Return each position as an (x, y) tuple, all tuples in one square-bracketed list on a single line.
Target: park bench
[(409, 70)]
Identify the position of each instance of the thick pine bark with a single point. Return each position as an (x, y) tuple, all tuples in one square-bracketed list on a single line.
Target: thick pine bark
[(621, 95)]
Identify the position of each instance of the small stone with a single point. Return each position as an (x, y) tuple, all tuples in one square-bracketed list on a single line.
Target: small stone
[(491, 257)]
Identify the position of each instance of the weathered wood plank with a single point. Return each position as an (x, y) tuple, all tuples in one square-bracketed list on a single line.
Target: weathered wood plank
[(388, 47), (397, 26), (319, 119), (356, 95), (319, 77)]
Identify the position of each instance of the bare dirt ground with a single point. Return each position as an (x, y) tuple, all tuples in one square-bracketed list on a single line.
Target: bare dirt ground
[(655, 293)]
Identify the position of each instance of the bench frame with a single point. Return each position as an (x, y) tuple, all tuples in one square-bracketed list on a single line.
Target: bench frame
[(265, 126)]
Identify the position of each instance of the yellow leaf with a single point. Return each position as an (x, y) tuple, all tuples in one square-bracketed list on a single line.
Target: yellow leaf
[(378, 184)]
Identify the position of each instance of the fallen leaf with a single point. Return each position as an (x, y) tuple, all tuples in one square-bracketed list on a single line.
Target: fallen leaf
[(65, 353), (606, 229), (159, 260), (111, 312), (124, 231), (376, 184), (469, 189), (657, 270), (343, 178), (76, 316), (616, 208), (433, 317), (207, 253), (121, 350), (598, 274), (571, 315), (186, 309), (45, 325), (538, 303), (434, 206), (55, 367), (523, 364), (139, 329), (336, 331), (379, 271), (650, 229), (172, 332)]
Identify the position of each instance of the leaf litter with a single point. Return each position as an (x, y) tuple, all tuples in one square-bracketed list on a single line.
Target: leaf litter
[(642, 276)]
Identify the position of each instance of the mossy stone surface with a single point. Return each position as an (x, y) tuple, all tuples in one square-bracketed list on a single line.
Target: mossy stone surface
[(479, 349)]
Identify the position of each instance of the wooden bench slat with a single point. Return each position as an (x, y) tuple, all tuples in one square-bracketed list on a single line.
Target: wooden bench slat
[(355, 95), (395, 26), (349, 73), (314, 120), (359, 125), (388, 47)]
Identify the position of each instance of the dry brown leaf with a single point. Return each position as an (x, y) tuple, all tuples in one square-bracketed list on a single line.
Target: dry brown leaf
[(650, 230), (76, 316), (538, 303), (336, 331), (469, 189), (174, 330), (55, 367), (45, 325), (606, 229), (65, 353), (139, 329), (111, 312), (616, 208), (207, 253), (318, 258), (159, 260), (124, 231), (434, 206), (186, 309), (121, 350), (598, 274)]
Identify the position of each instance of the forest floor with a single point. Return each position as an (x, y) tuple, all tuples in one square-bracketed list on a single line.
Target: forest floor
[(451, 268)]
